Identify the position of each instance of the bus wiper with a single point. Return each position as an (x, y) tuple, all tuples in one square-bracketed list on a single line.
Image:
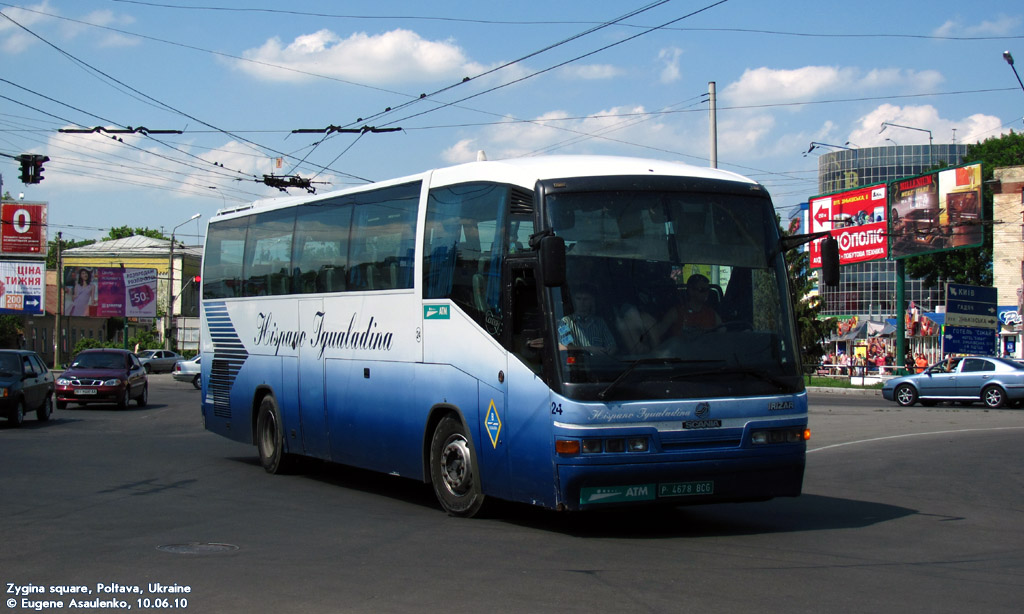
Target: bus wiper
[(636, 363)]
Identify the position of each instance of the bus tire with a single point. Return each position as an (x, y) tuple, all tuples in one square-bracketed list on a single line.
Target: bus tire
[(453, 469), (270, 438)]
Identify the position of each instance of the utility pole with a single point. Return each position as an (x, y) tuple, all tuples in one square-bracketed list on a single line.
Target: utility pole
[(713, 122), (60, 306)]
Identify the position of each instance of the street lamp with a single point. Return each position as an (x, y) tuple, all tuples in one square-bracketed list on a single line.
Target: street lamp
[(1009, 60), (170, 284), (885, 124)]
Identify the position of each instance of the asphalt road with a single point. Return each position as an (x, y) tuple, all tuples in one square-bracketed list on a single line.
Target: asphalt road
[(905, 510)]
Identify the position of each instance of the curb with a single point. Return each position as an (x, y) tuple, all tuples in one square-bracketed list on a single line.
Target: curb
[(867, 392)]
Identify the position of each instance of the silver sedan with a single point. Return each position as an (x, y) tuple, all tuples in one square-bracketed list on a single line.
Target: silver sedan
[(997, 382)]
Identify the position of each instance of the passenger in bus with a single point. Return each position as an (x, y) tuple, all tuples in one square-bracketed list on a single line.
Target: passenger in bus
[(693, 312), (583, 328)]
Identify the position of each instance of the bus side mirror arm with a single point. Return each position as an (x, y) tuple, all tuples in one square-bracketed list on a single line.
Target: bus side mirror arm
[(829, 253)]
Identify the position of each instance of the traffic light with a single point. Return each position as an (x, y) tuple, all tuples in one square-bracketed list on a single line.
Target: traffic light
[(37, 165), (32, 167), (26, 168)]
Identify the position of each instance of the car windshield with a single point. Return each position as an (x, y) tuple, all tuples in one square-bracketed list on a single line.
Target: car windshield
[(146, 354), (671, 294), (9, 363), (99, 361)]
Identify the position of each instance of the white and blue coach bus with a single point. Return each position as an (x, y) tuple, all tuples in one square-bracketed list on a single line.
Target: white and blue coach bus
[(514, 329)]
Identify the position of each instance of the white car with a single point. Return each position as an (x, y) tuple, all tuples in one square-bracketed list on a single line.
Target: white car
[(189, 371)]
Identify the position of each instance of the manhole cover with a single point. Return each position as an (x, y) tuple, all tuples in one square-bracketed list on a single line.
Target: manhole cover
[(197, 548)]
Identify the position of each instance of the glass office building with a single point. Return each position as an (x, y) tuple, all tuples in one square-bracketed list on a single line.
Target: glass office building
[(868, 289)]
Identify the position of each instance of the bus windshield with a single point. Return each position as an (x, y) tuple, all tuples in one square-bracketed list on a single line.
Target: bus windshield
[(671, 294)]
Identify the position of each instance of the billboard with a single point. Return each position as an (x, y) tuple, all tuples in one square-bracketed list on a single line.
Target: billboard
[(856, 219), (22, 287), (934, 212), (22, 228), (105, 292)]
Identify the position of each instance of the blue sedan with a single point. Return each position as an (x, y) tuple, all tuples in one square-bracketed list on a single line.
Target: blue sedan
[(997, 382)]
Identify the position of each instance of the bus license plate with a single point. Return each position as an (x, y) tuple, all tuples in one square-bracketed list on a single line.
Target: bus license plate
[(85, 391), (686, 489)]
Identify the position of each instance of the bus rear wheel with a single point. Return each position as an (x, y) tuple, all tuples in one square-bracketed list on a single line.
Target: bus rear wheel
[(453, 470), (270, 438)]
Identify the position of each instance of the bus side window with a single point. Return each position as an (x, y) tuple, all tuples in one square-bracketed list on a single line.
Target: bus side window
[(320, 257)]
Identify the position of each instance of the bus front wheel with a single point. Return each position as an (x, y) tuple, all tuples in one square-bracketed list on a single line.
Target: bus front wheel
[(453, 469), (270, 438)]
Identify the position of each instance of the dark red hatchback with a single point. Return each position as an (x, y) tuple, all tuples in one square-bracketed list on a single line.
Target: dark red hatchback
[(103, 376)]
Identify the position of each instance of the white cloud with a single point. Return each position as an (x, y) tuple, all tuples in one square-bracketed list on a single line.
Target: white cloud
[(463, 151), (767, 85), (13, 39), (1001, 25), (917, 120), (391, 57), (669, 57), (559, 132)]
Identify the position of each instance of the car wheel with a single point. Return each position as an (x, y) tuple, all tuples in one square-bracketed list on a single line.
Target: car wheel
[(453, 469), (45, 410), (122, 399), (16, 415), (270, 438), (905, 395), (197, 382), (994, 397), (143, 398)]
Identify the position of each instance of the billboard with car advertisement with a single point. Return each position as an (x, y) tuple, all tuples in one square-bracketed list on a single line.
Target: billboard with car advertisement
[(937, 211), (856, 219), (106, 292)]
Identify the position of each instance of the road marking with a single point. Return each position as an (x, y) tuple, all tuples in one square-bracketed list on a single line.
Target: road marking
[(850, 443)]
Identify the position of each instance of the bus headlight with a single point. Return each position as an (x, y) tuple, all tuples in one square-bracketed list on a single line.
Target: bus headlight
[(771, 436)]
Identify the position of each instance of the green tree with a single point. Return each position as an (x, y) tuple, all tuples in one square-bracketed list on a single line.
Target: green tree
[(973, 265), (123, 232), (51, 249), (10, 328), (807, 306)]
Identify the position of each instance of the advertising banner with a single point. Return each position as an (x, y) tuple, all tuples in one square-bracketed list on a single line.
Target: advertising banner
[(934, 212), (22, 287), (22, 228), (856, 219), (105, 292)]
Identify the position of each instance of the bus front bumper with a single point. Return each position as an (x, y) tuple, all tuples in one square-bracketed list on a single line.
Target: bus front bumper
[(586, 486)]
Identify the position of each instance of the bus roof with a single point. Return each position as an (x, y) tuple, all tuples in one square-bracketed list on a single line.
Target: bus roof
[(524, 172)]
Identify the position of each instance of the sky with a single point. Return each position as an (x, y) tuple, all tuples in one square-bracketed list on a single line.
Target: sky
[(427, 85)]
